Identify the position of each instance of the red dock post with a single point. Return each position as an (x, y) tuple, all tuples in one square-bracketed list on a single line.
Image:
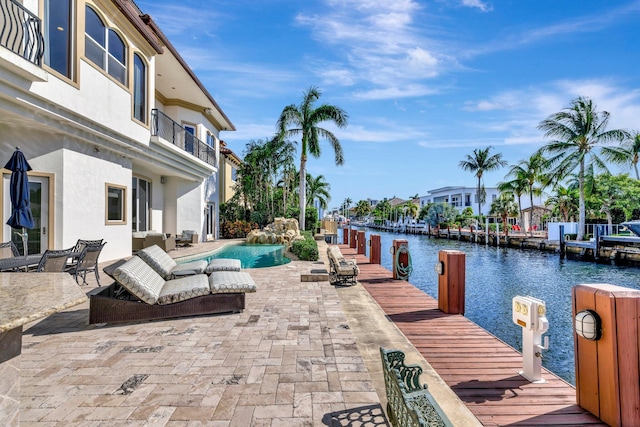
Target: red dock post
[(352, 238), (374, 249), (451, 281), (362, 243), (345, 235), (402, 258), (607, 366)]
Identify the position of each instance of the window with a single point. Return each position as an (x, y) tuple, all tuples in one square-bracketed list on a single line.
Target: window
[(234, 173), (141, 194), (104, 47), (115, 204), (211, 141), (58, 21), (139, 89), (189, 138)]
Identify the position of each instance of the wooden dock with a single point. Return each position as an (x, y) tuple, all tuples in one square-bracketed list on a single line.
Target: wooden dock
[(479, 368)]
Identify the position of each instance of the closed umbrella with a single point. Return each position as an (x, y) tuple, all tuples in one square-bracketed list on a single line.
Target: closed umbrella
[(21, 217)]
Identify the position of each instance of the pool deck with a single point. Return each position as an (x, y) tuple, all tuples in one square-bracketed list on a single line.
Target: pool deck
[(303, 353)]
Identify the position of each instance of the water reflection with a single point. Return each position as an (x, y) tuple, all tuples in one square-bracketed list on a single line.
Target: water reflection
[(495, 275)]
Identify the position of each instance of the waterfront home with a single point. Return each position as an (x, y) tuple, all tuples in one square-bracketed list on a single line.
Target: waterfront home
[(229, 163), (122, 136)]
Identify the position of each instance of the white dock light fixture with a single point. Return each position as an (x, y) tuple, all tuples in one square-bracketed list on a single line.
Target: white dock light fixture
[(588, 325)]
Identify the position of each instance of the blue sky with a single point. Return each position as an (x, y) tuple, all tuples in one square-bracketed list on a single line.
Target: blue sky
[(424, 82)]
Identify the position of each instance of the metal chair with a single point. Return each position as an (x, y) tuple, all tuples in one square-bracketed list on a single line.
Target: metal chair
[(87, 261), (8, 250), (54, 261), (80, 244)]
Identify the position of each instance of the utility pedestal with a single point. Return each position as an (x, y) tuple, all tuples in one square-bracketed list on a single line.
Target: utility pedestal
[(451, 281), (607, 352), (530, 314), (362, 243), (402, 258), (352, 238), (374, 249)]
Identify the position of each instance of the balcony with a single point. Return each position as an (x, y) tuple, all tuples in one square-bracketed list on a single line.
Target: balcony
[(164, 127), (21, 31)]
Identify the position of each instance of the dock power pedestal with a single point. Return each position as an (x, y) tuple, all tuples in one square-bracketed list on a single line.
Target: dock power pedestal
[(529, 313)]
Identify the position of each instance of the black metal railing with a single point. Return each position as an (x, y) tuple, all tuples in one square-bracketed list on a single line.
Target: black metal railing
[(164, 127), (21, 31)]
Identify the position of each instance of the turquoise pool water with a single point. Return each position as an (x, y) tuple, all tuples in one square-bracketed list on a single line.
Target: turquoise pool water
[(253, 256)]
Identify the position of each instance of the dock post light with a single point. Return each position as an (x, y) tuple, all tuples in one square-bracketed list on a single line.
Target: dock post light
[(530, 314), (588, 325)]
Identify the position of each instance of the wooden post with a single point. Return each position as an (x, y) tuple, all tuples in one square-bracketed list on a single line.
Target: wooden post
[(362, 243), (345, 235), (352, 238), (607, 370), (451, 283), (375, 249), (402, 258), (562, 247)]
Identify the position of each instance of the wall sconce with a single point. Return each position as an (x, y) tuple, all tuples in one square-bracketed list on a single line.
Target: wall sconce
[(162, 180), (588, 325)]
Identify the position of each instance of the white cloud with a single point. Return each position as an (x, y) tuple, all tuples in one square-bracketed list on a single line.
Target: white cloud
[(478, 4)]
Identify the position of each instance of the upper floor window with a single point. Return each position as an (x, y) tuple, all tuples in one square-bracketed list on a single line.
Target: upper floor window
[(139, 89), (211, 140), (104, 47), (58, 29)]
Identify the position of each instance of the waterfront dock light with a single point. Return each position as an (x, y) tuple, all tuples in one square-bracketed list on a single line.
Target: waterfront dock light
[(588, 325)]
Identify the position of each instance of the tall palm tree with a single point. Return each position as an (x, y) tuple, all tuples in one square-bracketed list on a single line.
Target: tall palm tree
[(564, 201), (303, 120), (627, 153), (516, 186), (347, 203), (362, 209), (318, 189), (530, 172), (580, 129), (504, 207), (478, 164)]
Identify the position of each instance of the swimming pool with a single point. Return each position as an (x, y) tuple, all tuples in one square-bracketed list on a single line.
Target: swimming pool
[(251, 256)]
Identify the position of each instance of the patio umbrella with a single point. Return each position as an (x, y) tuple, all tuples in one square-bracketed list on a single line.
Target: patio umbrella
[(21, 216)]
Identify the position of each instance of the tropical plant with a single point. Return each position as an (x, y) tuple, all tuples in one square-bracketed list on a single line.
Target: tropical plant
[(303, 120), (363, 208), (504, 206), (564, 202), (479, 163), (615, 196), (346, 205), (318, 189), (628, 153), (579, 130), (439, 213), (528, 173), (383, 209), (410, 209)]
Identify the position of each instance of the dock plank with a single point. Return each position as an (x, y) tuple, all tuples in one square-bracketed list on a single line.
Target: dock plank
[(480, 368)]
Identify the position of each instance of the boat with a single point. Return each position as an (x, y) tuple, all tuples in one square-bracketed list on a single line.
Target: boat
[(634, 226)]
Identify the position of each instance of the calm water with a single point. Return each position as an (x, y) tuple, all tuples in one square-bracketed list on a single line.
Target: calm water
[(253, 256), (495, 275)]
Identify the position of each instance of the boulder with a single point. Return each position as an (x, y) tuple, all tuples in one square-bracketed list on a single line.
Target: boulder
[(283, 231)]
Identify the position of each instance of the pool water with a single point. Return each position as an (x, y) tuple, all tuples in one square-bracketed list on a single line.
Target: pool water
[(495, 275), (253, 256)]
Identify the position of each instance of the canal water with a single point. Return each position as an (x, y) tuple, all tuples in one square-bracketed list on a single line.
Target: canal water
[(495, 275)]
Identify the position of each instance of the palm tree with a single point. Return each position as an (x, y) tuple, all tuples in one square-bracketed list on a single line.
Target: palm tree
[(504, 207), (410, 208), (318, 189), (579, 130), (347, 203), (362, 209), (628, 153), (303, 120), (478, 164), (529, 172), (565, 201), (516, 186)]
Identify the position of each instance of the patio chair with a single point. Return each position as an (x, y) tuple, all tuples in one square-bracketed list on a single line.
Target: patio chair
[(80, 244), (54, 261), (8, 250), (87, 261)]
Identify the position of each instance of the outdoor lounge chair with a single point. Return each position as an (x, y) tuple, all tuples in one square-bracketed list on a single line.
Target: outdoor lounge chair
[(341, 271), (223, 264), (140, 293), (166, 267)]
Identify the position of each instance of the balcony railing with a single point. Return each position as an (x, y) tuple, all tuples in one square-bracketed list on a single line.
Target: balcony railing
[(164, 127), (21, 31)]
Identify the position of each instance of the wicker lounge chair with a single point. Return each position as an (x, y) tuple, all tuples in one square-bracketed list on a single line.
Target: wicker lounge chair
[(166, 267), (140, 293), (223, 264)]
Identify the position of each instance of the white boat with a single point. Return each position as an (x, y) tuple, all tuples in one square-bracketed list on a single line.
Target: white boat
[(634, 226)]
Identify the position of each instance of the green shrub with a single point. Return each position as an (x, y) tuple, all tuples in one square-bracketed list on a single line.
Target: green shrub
[(236, 229), (307, 249)]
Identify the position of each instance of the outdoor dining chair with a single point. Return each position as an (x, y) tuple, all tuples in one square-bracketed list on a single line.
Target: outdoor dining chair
[(87, 261), (54, 260), (8, 250)]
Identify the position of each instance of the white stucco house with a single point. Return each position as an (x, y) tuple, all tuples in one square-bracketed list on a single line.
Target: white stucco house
[(122, 136)]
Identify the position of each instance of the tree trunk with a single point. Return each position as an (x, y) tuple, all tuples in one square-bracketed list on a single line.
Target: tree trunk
[(479, 201), (303, 190), (582, 214), (531, 211)]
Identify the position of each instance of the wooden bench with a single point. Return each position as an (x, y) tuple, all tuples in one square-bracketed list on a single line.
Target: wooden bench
[(341, 271), (409, 404)]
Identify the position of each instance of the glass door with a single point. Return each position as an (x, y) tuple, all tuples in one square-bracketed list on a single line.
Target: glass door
[(37, 237)]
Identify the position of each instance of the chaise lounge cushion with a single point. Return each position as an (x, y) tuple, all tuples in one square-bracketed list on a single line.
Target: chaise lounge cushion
[(231, 282), (166, 267), (223, 264), (140, 280), (184, 288)]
